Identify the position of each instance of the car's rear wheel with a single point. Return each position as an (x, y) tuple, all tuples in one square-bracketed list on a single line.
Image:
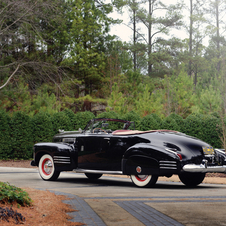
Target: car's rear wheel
[(192, 179), (47, 169), (93, 176), (144, 180)]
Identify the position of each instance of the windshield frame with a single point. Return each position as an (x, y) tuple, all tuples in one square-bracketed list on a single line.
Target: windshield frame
[(95, 123)]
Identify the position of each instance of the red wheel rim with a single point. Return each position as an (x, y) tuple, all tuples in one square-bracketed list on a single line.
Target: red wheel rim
[(47, 166), (141, 178)]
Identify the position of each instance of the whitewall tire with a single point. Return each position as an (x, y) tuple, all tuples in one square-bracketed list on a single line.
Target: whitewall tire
[(144, 180), (46, 167)]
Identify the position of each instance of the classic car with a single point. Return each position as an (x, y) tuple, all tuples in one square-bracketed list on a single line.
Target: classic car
[(113, 146)]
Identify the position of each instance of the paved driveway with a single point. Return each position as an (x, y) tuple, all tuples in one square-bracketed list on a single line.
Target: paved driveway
[(115, 201)]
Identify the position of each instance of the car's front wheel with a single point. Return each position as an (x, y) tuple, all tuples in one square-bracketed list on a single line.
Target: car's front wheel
[(46, 167), (144, 180), (192, 179), (93, 176)]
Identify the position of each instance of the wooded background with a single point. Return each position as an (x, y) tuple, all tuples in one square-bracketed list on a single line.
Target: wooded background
[(59, 55)]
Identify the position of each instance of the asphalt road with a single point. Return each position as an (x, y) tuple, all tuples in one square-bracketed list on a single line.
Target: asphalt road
[(116, 201)]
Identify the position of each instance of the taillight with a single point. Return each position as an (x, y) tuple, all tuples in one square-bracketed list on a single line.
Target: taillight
[(179, 155), (174, 151)]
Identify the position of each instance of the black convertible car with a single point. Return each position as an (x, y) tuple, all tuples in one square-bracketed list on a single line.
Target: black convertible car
[(113, 146)]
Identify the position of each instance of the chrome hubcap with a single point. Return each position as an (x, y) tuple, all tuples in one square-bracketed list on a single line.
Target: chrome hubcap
[(47, 167)]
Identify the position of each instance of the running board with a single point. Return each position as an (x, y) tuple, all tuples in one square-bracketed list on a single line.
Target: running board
[(98, 171)]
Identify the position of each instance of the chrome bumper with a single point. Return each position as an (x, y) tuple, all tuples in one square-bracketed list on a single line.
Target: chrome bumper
[(203, 168)]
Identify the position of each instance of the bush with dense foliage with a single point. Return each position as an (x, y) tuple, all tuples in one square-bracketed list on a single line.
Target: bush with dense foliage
[(20, 132), (5, 135), (134, 117), (150, 122), (42, 127), (60, 121), (81, 119)]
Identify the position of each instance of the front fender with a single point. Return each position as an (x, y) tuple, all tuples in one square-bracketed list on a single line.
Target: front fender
[(64, 155)]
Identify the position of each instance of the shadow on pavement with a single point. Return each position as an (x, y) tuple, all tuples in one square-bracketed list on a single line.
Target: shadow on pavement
[(127, 183)]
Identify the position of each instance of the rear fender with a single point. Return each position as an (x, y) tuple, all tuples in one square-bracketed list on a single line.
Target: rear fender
[(64, 155), (145, 159)]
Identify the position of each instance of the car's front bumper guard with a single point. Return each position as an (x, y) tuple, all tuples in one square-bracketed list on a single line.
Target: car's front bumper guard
[(204, 168)]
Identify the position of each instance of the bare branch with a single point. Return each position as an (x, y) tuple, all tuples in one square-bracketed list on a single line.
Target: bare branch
[(18, 66), (25, 13), (137, 32)]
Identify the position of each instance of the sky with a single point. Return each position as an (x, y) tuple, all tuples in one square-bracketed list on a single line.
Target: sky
[(125, 33)]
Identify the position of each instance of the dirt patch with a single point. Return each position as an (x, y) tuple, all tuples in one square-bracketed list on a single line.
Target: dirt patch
[(16, 163), (47, 208)]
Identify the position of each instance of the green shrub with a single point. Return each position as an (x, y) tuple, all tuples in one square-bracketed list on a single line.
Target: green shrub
[(19, 133), (61, 121), (210, 130), (72, 117), (134, 117), (178, 119), (10, 194), (204, 127), (22, 136), (193, 125), (110, 114), (157, 119), (170, 124), (5, 136), (150, 122), (42, 127), (82, 118)]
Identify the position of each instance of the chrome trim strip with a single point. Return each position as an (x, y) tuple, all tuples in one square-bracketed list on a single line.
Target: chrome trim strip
[(162, 164), (62, 159), (171, 165), (204, 169), (173, 162), (221, 151), (168, 167), (209, 156), (97, 171)]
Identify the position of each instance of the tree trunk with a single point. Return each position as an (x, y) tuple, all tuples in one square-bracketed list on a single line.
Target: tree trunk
[(134, 39), (150, 40), (218, 35), (190, 39)]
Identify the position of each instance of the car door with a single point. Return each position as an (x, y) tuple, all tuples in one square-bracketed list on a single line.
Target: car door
[(92, 150)]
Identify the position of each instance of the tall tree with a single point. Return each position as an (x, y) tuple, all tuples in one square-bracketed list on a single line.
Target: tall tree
[(88, 33), (158, 19), (137, 48), (134, 8), (197, 30), (216, 10)]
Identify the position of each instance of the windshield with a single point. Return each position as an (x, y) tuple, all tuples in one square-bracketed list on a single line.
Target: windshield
[(108, 125)]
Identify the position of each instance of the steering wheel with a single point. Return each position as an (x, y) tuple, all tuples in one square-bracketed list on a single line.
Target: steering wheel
[(99, 129)]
